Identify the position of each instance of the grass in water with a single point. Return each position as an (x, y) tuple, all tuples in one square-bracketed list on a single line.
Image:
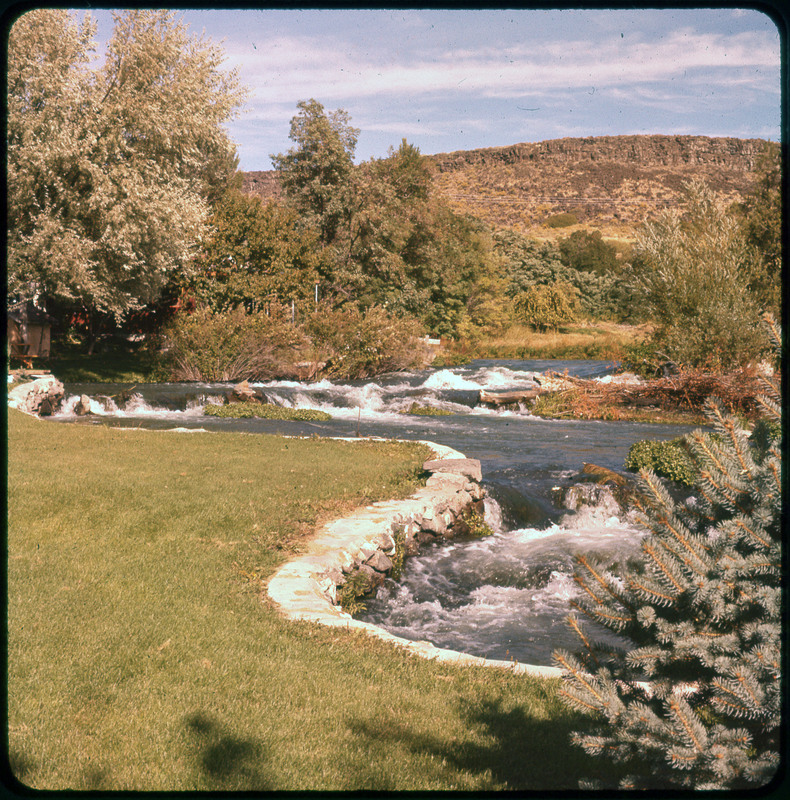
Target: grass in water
[(143, 654), (266, 411), (428, 411)]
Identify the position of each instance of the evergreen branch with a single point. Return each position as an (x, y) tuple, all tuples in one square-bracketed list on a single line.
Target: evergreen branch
[(774, 332), (731, 707), (680, 556), (730, 585), (578, 579), (694, 731), (772, 466), (737, 444), (741, 525), (701, 440), (577, 701), (744, 687), (652, 482), (722, 490), (651, 592), (612, 621), (574, 623), (580, 677), (770, 406), (682, 758), (581, 559), (662, 567)]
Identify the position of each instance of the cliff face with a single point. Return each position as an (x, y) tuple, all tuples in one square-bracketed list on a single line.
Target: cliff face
[(645, 151), (604, 180)]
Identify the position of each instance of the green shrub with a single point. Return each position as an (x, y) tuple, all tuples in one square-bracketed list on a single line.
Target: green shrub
[(689, 275), (228, 345), (561, 221), (359, 345), (475, 525), (667, 459), (640, 358), (355, 587), (266, 411), (586, 251), (547, 306), (399, 556)]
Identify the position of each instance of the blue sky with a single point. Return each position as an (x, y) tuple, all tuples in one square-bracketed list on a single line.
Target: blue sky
[(461, 79)]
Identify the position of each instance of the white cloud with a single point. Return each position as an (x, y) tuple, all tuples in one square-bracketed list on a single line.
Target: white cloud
[(285, 70)]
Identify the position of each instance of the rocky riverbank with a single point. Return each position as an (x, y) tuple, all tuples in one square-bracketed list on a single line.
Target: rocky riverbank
[(366, 543), (40, 397)]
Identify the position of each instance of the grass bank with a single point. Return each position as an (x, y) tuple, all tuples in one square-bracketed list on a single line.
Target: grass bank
[(604, 341), (143, 654)]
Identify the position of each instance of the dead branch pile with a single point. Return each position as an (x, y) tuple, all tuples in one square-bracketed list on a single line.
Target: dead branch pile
[(686, 391)]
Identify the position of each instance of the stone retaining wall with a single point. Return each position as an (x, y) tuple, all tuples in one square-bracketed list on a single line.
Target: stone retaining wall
[(306, 588)]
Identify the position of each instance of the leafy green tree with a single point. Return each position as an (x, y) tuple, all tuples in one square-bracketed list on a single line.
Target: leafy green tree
[(466, 277), (111, 168), (316, 172), (547, 307), (691, 272), (389, 242), (587, 252), (762, 227), (529, 262), (693, 700), (255, 254)]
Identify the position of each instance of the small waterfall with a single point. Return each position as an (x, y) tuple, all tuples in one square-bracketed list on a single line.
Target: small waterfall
[(504, 596)]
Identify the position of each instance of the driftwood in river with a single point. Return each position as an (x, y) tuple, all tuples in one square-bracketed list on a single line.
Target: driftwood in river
[(507, 398)]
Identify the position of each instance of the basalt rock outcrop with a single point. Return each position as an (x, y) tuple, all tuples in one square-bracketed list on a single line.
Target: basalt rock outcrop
[(600, 179)]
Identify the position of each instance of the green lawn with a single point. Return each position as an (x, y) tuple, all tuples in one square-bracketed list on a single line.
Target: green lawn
[(143, 654)]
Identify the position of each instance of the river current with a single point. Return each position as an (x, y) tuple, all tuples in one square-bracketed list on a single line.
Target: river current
[(504, 596)]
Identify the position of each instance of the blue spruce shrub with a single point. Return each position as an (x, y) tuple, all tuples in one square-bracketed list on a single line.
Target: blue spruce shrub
[(695, 702)]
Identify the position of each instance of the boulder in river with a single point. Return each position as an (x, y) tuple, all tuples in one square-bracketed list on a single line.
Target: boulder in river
[(243, 393), (82, 406)]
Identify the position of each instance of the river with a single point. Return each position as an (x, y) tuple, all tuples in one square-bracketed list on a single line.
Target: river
[(504, 596)]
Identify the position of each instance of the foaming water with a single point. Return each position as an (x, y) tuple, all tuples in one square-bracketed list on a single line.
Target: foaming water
[(504, 596)]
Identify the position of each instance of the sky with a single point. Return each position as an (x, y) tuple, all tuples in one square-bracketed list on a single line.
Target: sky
[(461, 79)]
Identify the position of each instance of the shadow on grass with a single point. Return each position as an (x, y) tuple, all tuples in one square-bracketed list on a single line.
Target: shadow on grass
[(520, 752), (225, 761)]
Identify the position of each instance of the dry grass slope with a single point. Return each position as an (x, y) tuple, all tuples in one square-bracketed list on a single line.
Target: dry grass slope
[(609, 182)]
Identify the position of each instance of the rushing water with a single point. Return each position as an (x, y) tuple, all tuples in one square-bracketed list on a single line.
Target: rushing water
[(504, 596)]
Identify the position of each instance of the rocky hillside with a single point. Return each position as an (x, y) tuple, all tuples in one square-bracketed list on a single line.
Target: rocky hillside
[(607, 182)]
